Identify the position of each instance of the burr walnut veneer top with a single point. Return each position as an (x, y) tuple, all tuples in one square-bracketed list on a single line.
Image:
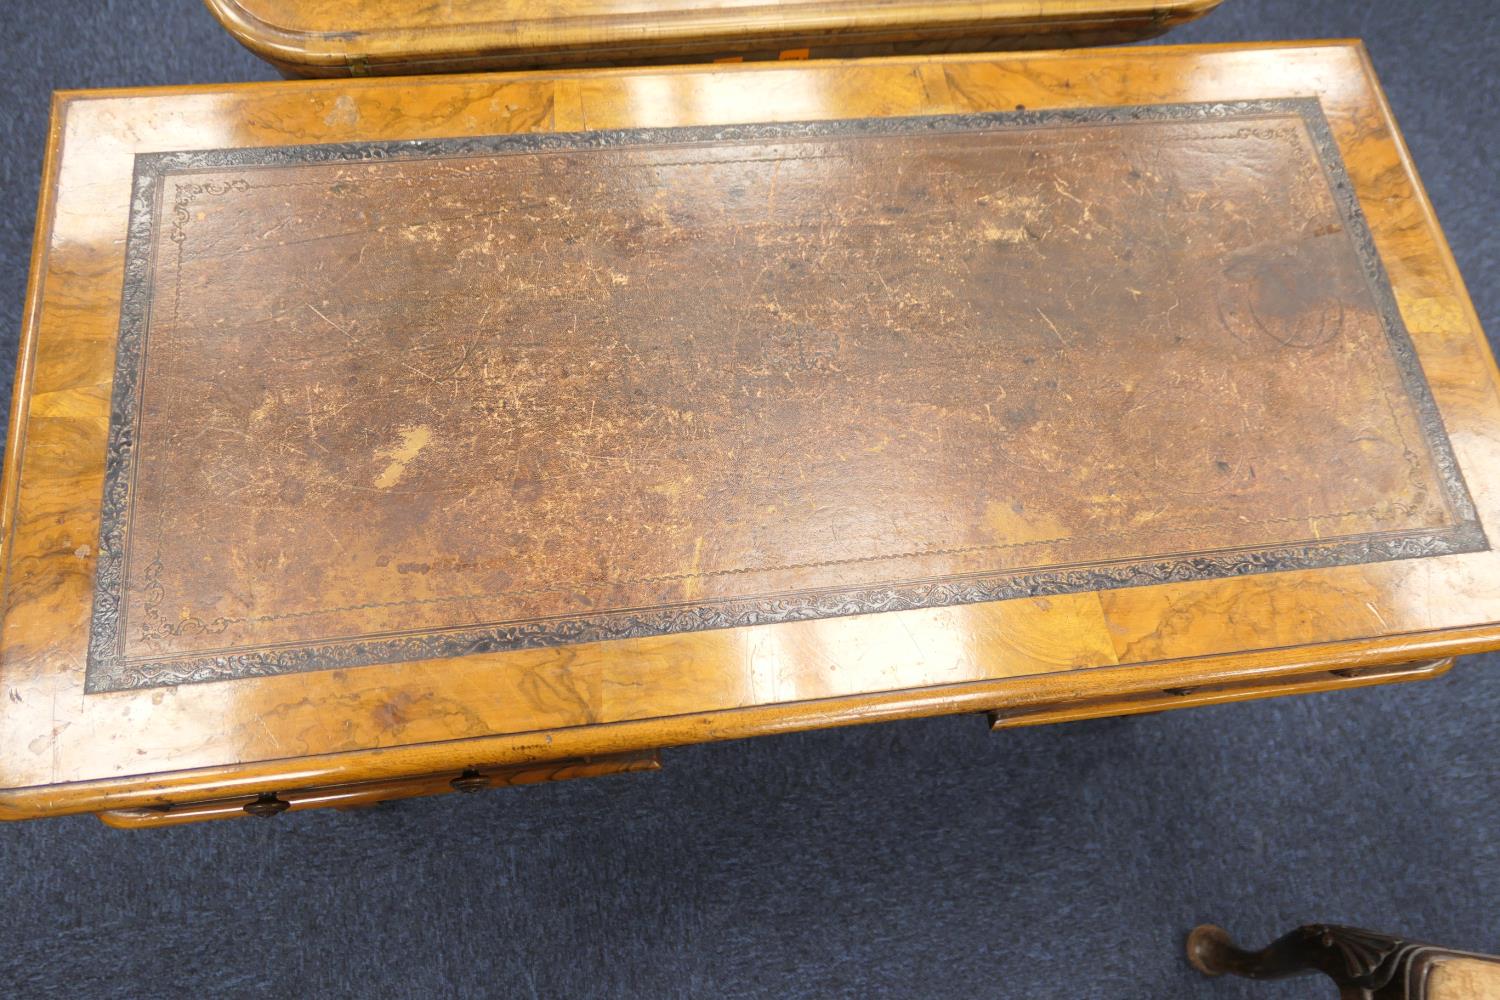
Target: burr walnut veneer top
[(367, 429)]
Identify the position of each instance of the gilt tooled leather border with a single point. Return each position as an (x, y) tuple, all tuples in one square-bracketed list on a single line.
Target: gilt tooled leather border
[(108, 670)]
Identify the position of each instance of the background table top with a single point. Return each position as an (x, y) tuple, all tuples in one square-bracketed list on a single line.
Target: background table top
[(334, 37), (912, 859)]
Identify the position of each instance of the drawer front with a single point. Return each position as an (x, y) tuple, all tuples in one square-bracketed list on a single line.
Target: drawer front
[(1188, 695), (351, 796)]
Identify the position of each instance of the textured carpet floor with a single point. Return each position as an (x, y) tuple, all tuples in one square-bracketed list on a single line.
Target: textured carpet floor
[(923, 859)]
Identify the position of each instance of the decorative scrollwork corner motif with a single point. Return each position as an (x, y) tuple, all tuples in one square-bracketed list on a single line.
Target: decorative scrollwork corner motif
[(185, 193), (154, 627)]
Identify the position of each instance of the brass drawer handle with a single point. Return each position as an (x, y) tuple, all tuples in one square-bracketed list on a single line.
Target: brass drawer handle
[(267, 805), (470, 781)]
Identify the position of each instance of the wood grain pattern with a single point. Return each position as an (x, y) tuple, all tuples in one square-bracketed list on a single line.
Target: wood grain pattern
[(65, 750), (359, 37)]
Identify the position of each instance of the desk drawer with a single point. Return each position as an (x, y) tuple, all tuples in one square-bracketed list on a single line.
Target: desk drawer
[(1137, 703), (374, 792)]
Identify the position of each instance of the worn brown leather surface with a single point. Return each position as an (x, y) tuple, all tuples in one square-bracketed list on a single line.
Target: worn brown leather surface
[(428, 400)]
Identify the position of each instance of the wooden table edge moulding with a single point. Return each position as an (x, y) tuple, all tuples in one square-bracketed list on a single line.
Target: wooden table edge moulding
[(145, 749), (360, 38)]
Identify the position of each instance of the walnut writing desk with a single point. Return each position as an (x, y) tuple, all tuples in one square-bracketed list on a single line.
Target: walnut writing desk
[(377, 437)]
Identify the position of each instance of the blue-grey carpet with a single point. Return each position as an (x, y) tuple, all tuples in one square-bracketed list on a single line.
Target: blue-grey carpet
[(922, 859)]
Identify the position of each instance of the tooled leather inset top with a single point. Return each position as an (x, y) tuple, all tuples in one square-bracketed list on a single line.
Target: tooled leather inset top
[(412, 400)]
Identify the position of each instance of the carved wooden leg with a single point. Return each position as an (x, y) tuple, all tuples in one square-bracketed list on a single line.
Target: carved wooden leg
[(1360, 962)]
